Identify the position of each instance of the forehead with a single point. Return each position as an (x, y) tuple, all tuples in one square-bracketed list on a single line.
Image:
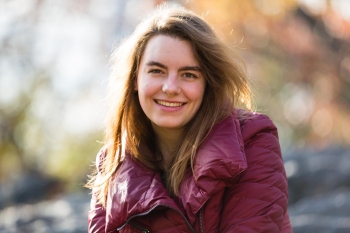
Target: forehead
[(163, 48)]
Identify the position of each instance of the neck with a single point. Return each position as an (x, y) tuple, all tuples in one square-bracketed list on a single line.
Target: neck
[(168, 142)]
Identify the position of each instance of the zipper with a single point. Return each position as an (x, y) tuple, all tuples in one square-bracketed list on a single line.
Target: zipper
[(150, 210), (201, 220), (141, 228), (188, 223)]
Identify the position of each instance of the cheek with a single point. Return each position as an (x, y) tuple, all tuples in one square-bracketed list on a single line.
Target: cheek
[(143, 89), (145, 93), (148, 88), (200, 93), (142, 99), (200, 98)]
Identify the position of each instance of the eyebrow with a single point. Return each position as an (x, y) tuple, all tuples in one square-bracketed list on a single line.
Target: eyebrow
[(155, 63), (184, 68)]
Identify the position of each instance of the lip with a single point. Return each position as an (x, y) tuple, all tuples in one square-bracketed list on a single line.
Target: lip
[(169, 105)]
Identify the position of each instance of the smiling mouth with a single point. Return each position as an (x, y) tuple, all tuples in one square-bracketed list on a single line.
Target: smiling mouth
[(169, 104)]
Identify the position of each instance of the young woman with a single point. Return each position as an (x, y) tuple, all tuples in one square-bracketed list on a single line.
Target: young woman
[(180, 156)]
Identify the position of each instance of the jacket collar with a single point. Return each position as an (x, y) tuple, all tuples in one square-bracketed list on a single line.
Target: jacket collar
[(220, 158), (134, 190)]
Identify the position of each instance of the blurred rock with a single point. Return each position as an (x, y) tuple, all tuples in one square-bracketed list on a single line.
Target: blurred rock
[(327, 213), (312, 173), (67, 214), (29, 187), (319, 190), (319, 187)]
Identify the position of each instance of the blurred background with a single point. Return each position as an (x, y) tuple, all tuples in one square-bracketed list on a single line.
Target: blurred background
[(54, 68)]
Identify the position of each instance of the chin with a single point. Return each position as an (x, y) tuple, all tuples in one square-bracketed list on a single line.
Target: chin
[(169, 125)]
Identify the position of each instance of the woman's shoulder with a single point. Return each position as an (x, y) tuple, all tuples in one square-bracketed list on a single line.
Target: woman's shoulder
[(253, 123), (102, 156), (261, 143), (245, 116)]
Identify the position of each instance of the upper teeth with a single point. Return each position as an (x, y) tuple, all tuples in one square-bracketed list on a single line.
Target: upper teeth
[(168, 104)]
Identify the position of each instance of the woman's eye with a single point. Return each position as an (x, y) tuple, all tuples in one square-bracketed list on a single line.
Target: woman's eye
[(189, 75), (155, 71)]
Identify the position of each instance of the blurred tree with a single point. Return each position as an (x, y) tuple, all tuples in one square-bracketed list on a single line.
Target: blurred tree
[(39, 136), (53, 58), (53, 74), (298, 57)]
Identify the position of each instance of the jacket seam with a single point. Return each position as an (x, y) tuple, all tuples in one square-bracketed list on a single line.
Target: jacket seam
[(261, 165), (261, 200)]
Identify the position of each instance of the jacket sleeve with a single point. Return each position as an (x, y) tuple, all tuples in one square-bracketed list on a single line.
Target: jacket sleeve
[(97, 214), (257, 201)]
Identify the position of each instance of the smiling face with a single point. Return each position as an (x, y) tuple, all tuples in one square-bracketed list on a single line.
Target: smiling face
[(170, 83)]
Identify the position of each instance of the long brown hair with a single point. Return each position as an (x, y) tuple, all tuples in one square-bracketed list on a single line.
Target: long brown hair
[(128, 129)]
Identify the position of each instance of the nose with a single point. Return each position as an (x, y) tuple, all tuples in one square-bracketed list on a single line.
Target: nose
[(171, 85)]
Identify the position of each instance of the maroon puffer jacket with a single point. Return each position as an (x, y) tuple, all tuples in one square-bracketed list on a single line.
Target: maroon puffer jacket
[(238, 185)]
